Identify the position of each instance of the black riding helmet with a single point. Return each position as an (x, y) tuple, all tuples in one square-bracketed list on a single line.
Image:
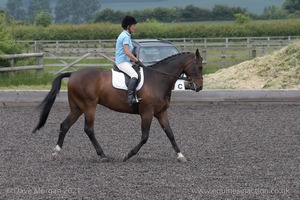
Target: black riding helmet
[(127, 21)]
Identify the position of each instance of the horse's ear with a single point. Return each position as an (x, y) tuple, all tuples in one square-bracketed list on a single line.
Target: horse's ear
[(197, 54)]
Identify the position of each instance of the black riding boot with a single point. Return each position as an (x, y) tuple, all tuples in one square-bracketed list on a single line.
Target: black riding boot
[(131, 91)]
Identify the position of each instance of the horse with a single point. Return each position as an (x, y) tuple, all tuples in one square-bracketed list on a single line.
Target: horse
[(91, 86)]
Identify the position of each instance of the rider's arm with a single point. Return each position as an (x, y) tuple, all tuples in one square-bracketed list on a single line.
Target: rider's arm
[(128, 53)]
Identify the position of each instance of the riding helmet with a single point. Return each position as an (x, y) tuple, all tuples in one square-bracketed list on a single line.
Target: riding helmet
[(127, 21)]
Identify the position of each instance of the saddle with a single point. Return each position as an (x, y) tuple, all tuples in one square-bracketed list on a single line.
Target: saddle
[(120, 80)]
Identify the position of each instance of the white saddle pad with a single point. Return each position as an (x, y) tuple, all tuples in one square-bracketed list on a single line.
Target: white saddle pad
[(118, 80)]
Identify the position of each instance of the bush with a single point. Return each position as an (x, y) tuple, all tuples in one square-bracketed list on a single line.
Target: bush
[(7, 42), (43, 19), (242, 18), (154, 29)]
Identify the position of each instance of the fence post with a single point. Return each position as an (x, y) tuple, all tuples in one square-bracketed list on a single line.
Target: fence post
[(223, 56), (13, 64), (204, 56), (39, 59), (253, 53), (248, 42), (226, 41)]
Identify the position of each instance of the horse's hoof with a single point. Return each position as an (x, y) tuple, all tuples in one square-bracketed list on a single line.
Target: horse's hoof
[(182, 159), (54, 156), (125, 158)]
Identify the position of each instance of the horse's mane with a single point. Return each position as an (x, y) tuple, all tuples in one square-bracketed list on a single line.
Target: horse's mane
[(169, 58)]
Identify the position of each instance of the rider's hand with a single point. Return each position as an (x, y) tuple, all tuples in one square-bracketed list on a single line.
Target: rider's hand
[(140, 63)]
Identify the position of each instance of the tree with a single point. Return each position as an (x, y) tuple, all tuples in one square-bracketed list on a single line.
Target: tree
[(7, 42), (15, 9), (37, 6), (273, 12), (223, 12), (109, 15), (43, 19), (242, 18), (76, 11), (291, 6), (165, 14), (192, 13)]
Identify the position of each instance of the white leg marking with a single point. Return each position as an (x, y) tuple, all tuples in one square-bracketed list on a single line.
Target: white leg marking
[(181, 158), (180, 155), (55, 152), (57, 148)]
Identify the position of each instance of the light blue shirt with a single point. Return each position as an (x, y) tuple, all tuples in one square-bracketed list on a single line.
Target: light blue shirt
[(124, 38)]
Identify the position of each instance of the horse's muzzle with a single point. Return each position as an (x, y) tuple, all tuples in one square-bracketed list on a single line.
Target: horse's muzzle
[(198, 88), (195, 86)]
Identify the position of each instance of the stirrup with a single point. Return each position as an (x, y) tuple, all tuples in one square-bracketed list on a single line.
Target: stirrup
[(134, 101)]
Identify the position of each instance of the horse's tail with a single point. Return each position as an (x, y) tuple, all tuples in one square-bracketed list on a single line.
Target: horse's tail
[(48, 102)]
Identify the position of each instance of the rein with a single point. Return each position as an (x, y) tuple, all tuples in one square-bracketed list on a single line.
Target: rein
[(188, 78), (162, 72)]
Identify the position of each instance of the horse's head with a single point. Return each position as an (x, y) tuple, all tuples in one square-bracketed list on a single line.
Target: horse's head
[(193, 71)]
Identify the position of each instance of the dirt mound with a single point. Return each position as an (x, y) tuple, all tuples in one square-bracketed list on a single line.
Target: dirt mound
[(278, 70)]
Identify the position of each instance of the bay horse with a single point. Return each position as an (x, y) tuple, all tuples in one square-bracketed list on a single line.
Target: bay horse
[(91, 86)]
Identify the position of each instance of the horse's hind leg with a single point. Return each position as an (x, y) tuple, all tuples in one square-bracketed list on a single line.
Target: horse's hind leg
[(64, 128), (89, 129), (162, 117)]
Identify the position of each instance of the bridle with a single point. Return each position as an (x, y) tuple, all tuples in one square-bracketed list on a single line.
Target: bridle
[(191, 78), (188, 78)]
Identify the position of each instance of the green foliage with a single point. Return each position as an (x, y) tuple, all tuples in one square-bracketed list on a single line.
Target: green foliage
[(291, 6), (242, 18), (109, 15), (43, 19), (15, 9), (85, 11), (21, 78), (188, 14), (192, 13), (273, 12), (222, 10), (37, 6), (75, 11), (7, 44), (154, 29)]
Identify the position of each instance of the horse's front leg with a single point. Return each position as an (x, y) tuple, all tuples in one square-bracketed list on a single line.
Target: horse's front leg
[(146, 123), (163, 119)]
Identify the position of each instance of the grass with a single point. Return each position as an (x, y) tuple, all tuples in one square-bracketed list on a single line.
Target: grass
[(26, 80)]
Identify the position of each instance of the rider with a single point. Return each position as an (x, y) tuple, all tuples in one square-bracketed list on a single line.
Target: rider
[(123, 56)]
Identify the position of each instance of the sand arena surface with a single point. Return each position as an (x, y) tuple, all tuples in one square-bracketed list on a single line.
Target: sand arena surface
[(235, 151)]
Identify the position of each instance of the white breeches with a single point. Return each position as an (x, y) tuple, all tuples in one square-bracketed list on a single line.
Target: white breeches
[(127, 68)]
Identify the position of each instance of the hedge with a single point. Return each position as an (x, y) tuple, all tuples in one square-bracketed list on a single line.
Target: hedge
[(160, 30)]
